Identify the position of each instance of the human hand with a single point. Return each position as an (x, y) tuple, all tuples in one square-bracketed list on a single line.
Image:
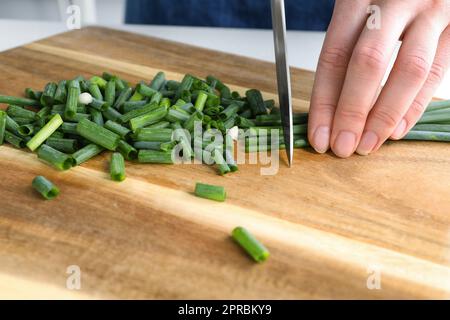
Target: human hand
[(348, 112)]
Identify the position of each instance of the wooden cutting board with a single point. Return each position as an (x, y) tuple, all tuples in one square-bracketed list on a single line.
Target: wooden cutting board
[(331, 225)]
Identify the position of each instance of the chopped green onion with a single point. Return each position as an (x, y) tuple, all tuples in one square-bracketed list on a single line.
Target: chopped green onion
[(32, 94), (99, 105), (137, 112), (145, 90), (16, 141), (210, 192), (250, 244), (57, 159), (150, 118), (70, 128), (165, 102), (98, 135), (72, 99), (128, 151), (61, 92), (151, 156), (19, 101), (154, 135), (100, 82), (42, 135), (177, 115), (110, 92), (43, 113), (2, 126), (124, 96), (48, 94), (134, 105), (19, 112), (112, 114), (158, 81), (222, 165), (117, 167), (256, 102), (86, 153), (63, 145), (231, 110), (117, 128), (94, 89), (45, 187), (201, 100), (97, 116), (26, 129), (148, 145)]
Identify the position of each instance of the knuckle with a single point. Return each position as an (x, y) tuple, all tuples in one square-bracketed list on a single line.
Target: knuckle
[(324, 109), (370, 57), (333, 58), (417, 108), (415, 66), (353, 115), (437, 73), (388, 117)]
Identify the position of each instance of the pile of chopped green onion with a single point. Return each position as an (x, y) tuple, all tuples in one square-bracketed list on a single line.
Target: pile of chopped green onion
[(69, 122)]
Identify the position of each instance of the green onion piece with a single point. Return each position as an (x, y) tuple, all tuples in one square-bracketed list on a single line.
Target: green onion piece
[(2, 126), (98, 81), (127, 150), (165, 102), (48, 94), (154, 135), (201, 100), (97, 116), (230, 161), (32, 94), (134, 105), (156, 98), (432, 127), (256, 102), (86, 153), (172, 85), (98, 135), (168, 146), (150, 118), (110, 92), (45, 187), (222, 165), (148, 145), (123, 96), (19, 101), (63, 145), (158, 81), (26, 130), (94, 90), (117, 167), (112, 114), (14, 140), (151, 156), (145, 90), (70, 128), (136, 97), (42, 135), (138, 112), (246, 114), (100, 105), (185, 86), (275, 119), (59, 108), (301, 143), (270, 104), (428, 136), (250, 244), (61, 92), (180, 135), (19, 112), (438, 105), (177, 115), (57, 159), (72, 99), (43, 113), (120, 84), (117, 128), (210, 192), (189, 124), (231, 110), (159, 125)]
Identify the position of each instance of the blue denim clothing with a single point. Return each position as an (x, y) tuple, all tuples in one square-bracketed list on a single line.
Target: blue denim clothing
[(300, 14)]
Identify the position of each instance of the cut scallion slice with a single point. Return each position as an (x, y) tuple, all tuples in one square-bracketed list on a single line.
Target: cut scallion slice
[(45, 187)]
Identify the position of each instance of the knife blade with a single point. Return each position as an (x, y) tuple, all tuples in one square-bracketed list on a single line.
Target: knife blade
[(283, 75)]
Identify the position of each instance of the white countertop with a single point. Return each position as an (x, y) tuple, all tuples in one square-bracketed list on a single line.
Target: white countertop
[(304, 47)]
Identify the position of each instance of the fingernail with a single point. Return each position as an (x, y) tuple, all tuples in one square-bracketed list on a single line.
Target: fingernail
[(322, 139), (400, 130), (368, 142), (344, 146)]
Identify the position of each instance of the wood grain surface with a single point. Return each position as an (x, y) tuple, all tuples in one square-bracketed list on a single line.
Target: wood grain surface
[(329, 223)]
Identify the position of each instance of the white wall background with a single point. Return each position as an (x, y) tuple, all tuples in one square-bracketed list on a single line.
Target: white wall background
[(109, 12)]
